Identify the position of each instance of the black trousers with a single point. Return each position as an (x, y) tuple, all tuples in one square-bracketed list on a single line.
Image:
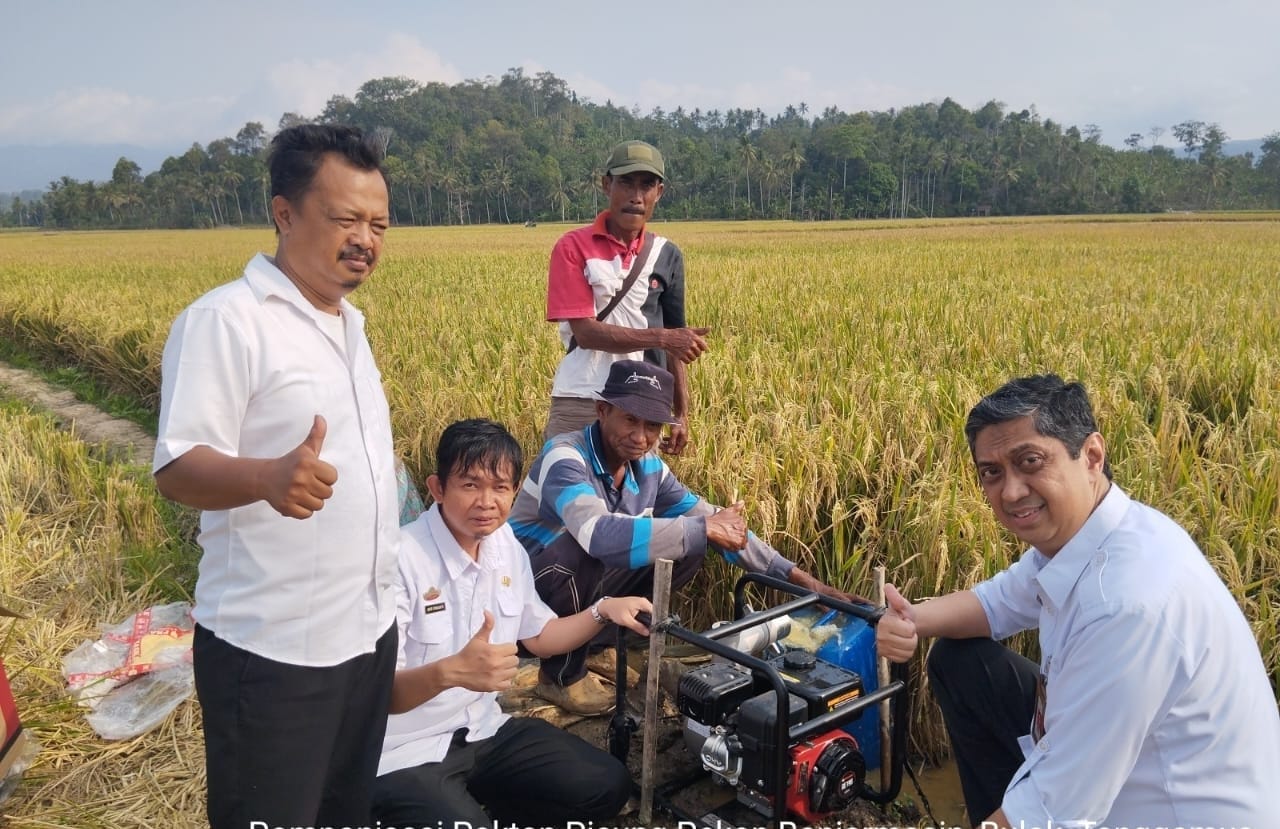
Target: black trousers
[(568, 581), (987, 694), (529, 773), (290, 745)]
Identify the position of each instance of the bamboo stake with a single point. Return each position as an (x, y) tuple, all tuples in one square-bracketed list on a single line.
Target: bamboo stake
[(882, 673), (649, 738)]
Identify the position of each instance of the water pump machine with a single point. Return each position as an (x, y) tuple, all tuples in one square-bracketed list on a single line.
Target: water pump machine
[(776, 726)]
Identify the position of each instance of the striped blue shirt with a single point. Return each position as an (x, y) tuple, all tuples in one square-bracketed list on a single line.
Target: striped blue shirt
[(569, 498)]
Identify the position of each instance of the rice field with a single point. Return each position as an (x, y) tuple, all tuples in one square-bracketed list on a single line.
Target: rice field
[(84, 542), (844, 357)]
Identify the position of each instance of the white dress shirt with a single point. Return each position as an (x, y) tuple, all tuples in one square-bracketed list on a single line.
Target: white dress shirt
[(246, 369), (441, 598), (1158, 711)]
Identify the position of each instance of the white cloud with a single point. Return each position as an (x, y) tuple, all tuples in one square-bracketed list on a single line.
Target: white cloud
[(101, 115), (583, 85), (592, 89), (104, 116), (305, 86), (690, 95)]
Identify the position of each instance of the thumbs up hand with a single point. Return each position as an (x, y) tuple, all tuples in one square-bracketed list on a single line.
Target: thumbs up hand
[(896, 632), (483, 665), (298, 484)]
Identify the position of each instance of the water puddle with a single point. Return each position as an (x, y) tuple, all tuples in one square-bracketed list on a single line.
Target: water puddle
[(941, 786)]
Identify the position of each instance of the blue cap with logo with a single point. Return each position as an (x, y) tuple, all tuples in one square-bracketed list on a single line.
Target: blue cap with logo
[(642, 389)]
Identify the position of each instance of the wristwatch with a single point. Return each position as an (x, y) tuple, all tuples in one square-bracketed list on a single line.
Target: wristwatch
[(595, 611)]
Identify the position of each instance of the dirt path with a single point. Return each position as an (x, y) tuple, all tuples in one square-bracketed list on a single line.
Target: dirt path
[(121, 440)]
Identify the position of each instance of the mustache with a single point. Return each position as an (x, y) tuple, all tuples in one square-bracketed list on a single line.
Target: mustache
[(357, 252)]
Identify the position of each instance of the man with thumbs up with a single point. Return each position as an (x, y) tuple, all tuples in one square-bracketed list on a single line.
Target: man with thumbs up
[(465, 598), (1151, 705), (274, 424)]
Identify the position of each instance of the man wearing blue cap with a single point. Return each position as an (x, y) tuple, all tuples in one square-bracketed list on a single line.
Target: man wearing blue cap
[(599, 506)]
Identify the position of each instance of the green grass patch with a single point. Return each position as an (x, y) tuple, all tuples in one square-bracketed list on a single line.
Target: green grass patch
[(81, 383)]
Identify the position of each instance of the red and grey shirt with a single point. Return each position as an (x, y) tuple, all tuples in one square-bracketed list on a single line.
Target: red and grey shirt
[(588, 266)]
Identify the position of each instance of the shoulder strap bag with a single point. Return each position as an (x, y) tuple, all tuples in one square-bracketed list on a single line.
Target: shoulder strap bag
[(632, 275)]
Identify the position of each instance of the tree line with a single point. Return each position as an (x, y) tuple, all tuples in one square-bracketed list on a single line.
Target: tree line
[(521, 148)]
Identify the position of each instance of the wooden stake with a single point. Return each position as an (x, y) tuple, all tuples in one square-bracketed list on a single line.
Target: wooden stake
[(882, 673), (649, 731)]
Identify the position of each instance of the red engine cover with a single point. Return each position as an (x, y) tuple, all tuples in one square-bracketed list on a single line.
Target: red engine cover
[(827, 772)]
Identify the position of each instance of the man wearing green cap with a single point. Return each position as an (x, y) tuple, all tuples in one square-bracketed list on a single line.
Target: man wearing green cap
[(618, 293)]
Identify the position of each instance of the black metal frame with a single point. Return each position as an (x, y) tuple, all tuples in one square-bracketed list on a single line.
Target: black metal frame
[(785, 735)]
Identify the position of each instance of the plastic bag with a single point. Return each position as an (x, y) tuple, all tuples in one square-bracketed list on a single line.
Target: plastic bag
[(25, 755), (411, 505), (137, 673)]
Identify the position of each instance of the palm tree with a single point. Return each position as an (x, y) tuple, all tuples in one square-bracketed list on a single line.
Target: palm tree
[(488, 185), (1006, 174), (449, 181), (769, 175), (793, 160), (398, 173), (935, 165), (500, 178), (577, 189), (561, 197), (1216, 174), (426, 171), (748, 153), (263, 177), (211, 186), (232, 181)]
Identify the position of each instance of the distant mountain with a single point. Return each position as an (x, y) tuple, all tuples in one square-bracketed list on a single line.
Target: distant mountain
[(6, 199), (1250, 145), (29, 167)]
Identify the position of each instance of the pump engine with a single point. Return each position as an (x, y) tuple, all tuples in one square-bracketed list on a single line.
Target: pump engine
[(773, 726), (732, 725)]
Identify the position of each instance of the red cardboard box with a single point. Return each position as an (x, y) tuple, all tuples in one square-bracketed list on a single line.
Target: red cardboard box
[(11, 734), (12, 737)]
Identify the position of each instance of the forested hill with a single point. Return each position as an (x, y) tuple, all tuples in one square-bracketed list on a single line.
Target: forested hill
[(525, 148)]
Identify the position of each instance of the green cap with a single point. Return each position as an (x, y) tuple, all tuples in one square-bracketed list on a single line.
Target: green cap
[(634, 157)]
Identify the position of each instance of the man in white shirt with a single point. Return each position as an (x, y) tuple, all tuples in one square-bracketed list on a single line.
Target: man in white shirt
[(1151, 705), (274, 424), (465, 598)]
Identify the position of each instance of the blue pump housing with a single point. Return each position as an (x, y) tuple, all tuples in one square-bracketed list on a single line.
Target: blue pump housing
[(853, 647)]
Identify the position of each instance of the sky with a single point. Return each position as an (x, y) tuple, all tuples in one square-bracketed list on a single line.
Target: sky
[(165, 74)]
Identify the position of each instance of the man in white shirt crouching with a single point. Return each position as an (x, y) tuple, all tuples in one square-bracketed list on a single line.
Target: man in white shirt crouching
[(465, 598), (1151, 705)]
